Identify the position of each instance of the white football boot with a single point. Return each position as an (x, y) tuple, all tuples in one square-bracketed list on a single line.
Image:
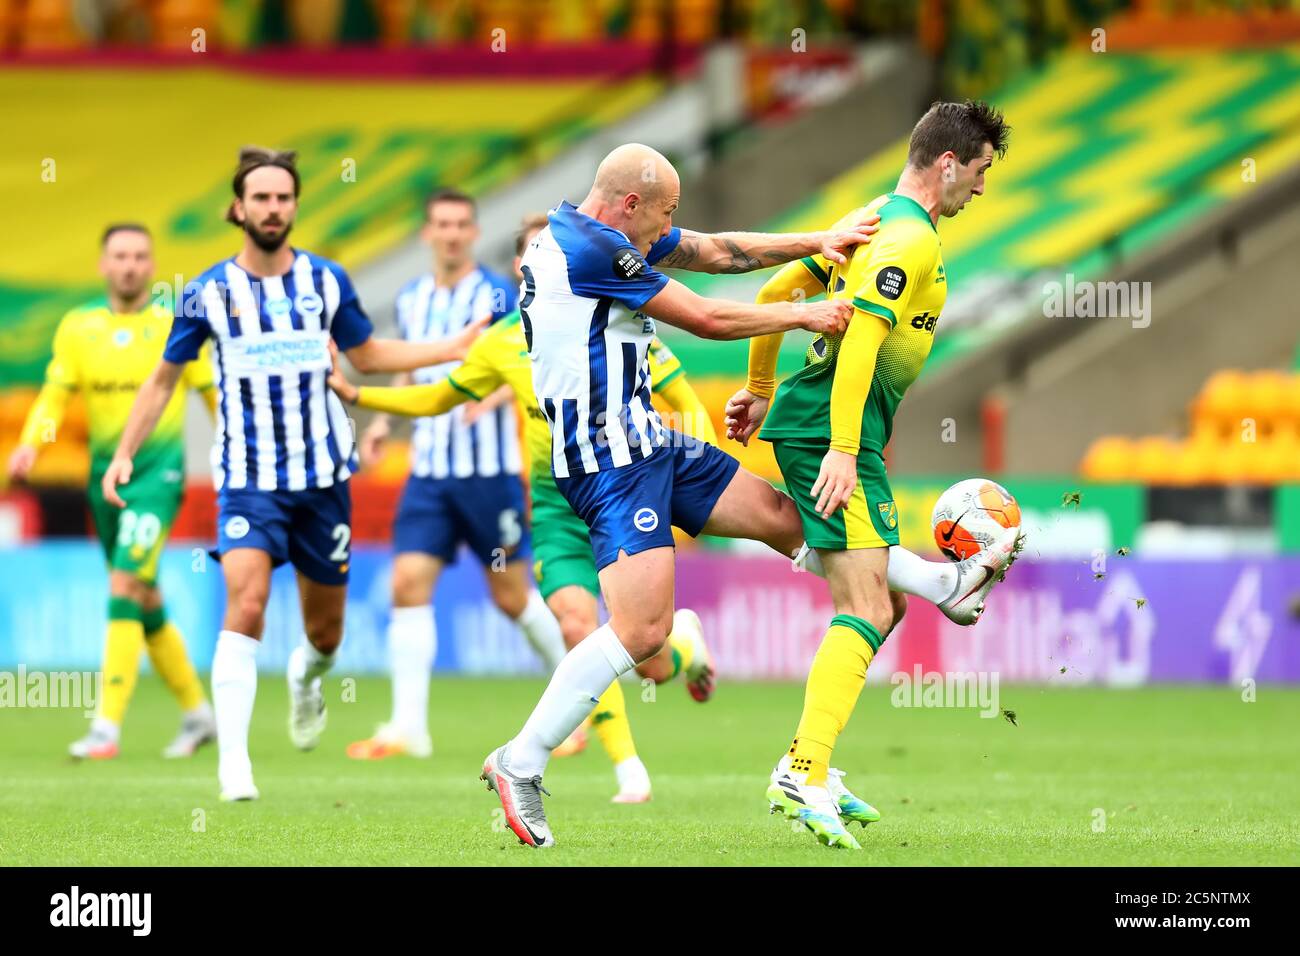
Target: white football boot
[(700, 676), (789, 795), (633, 782), (521, 798), (306, 705), (196, 730), (236, 779), (977, 574)]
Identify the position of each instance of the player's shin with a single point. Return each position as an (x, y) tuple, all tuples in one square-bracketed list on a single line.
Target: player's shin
[(838, 672), (307, 711), (609, 721), (123, 643), (908, 572), (310, 664), (542, 630), (575, 687), (234, 687), (170, 659), (412, 647)]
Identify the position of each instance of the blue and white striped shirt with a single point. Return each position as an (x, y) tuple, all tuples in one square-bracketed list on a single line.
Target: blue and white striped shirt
[(279, 427), (590, 368), (443, 445)]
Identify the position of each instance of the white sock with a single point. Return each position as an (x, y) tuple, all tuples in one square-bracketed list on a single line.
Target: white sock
[(572, 694), (106, 728), (234, 686), (542, 630), (412, 646), (201, 712), (632, 775), (934, 581), (308, 663)]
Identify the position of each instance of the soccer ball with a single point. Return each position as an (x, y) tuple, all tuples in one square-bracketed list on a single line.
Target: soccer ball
[(970, 515)]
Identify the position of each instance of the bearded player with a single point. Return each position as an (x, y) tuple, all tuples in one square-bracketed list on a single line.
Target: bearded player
[(283, 450)]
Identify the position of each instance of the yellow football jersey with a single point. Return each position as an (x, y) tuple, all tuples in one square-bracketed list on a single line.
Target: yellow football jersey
[(898, 277), (107, 356), (500, 357)]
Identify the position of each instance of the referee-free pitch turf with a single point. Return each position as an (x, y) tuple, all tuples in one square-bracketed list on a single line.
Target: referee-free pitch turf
[(1159, 776)]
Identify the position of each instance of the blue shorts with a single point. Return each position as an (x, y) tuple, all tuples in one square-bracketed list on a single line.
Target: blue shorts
[(311, 529), (436, 514), (633, 508)]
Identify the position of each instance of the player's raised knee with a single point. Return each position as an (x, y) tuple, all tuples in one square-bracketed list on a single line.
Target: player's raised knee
[(645, 638), (125, 585), (245, 610), (411, 587)]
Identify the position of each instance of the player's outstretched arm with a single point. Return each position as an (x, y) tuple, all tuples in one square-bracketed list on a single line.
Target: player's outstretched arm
[(149, 405), (414, 401), (397, 355), (736, 252), (722, 319), (796, 282)]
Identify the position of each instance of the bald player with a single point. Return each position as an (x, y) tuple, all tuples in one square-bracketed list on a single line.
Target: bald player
[(622, 471)]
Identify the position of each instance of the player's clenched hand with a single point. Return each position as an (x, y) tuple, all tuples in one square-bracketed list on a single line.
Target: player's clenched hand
[(835, 482), (338, 381), (21, 462), (744, 414), (462, 340), (837, 246), (826, 317), (118, 473)]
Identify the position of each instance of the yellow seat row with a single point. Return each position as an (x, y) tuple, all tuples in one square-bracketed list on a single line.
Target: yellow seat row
[(1235, 404), (1245, 428), (1166, 461)]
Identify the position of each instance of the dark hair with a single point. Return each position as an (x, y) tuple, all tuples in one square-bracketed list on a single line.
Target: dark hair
[(255, 157), (449, 194), (123, 227), (530, 223), (963, 128)]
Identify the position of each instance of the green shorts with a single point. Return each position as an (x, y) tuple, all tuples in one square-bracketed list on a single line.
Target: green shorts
[(561, 542), (868, 520), (133, 537)]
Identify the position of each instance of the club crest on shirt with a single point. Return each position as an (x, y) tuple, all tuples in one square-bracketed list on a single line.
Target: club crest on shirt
[(309, 303)]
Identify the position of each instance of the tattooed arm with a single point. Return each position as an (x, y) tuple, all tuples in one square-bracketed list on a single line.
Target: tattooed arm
[(734, 252)]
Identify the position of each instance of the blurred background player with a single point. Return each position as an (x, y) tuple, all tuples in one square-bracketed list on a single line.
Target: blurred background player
[(106, 350), (565, 567), (464, 486), (831, 421), (283, 448)]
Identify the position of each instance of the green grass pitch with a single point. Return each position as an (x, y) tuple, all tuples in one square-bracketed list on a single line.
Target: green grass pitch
[(1177, 776)]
